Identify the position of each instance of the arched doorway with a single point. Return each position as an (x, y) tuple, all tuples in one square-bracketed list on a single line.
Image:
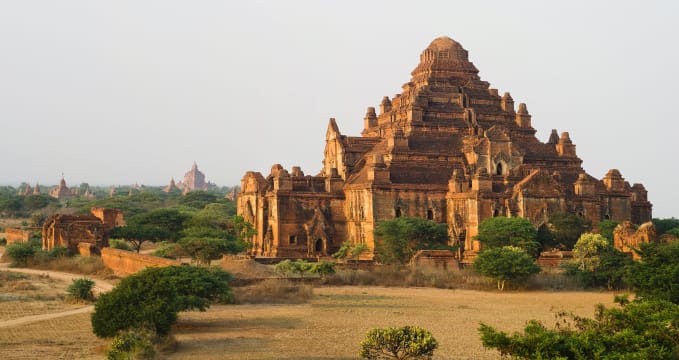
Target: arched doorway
[(318, 246)]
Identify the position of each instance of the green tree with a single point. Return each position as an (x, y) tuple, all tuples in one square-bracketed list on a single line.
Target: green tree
[(11, 205), (656, 276), (203, 250), (606, 228), (597, 263), (407, 342), (610, 272), (504, 264), (138, 234), (37, 202), (168, 250), (663, 225), (638, 330), (502, 231), (564, 230), (398, 239), (197, 199), (169, 219), (154, 296), (586, 251)]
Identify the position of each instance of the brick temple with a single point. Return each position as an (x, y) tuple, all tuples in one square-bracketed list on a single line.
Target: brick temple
[(447, 148)]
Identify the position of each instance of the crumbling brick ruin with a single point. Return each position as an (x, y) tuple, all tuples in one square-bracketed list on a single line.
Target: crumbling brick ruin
[(447, 148), (627, 238), (70, 230)]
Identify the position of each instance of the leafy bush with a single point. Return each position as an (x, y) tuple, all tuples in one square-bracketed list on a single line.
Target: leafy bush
[(400, 238), (323, 268), (120, 245), (343, 251), (167, 250), (664, 225), (131, 344), (349, 251), (639, 330), (407, 342), (656, 276), (154, 296), (606, 228), (507, 263), (81, 289), (59, 252), (20, 253), (597, 263), (286, 267)]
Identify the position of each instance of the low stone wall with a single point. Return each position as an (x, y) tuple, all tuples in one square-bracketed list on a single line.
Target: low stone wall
[(124, 263), (437, 259), (14, 235), (554, 259)]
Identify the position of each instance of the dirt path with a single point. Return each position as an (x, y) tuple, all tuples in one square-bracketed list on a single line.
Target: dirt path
[(101, 286), (34, 318)]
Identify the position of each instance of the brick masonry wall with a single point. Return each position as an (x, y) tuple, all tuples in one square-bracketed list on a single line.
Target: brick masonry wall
[(124, 263), (14, 235)]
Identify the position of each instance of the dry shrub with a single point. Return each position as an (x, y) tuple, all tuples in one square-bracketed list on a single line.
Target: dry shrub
[(393, 276), (552, 281), (86, 265), (22, 285), (245, 268), (7, 277), (273, 291)]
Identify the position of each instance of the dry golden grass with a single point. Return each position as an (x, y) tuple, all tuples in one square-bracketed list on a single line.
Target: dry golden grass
[(333, 323), (273, 291), (62, 338), (86, 265), (25, 295)]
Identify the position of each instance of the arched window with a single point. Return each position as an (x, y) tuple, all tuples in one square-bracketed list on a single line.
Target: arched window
[(319, 246), (496, 213), (397, 212), (498, 169), (430, 214)]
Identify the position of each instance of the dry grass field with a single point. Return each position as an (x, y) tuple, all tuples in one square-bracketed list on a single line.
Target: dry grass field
[(328, 325), (25, 295), (68, 337), (333, 323)]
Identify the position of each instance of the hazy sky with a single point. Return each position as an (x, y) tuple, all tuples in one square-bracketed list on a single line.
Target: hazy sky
[(118, 92)]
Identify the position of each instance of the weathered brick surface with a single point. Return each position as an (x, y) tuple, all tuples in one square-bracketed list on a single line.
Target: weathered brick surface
[(14, 235), (447, 148), (124, 263)]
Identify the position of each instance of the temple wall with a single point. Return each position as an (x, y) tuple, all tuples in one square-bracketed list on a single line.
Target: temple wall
[(124, 263), (290, 216), (619, 208), (14, 235)]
